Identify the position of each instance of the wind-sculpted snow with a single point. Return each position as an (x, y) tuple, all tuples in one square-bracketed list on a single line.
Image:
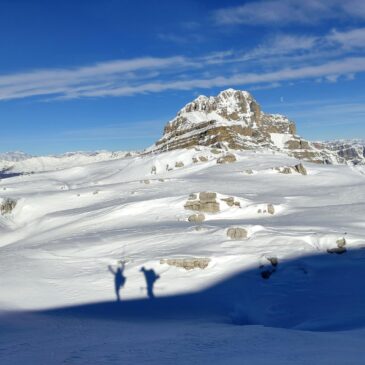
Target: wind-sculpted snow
[(69, 225)]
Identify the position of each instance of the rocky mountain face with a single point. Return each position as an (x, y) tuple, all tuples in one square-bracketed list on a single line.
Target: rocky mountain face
[(348, 150), (234, 120)]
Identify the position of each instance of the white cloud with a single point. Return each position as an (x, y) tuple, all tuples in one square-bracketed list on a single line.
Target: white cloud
[(282, 57), (351, 39), (332, 114), (354, 7), (341, 67), (284, 12), (58, 81), (332, 78)]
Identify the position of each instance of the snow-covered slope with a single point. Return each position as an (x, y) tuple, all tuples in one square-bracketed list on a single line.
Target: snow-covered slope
[(93, 215), (68, 225), (24, 163), (14, 156)]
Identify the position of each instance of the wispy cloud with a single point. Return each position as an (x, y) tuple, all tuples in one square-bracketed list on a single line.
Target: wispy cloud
[(345, 66), (333, 114), (351, 39), (325, 112), (74, 81), (280, 58), (286, 12)]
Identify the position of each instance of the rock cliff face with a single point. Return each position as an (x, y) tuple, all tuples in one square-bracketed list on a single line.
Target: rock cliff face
[(352, 150), (234, 120)]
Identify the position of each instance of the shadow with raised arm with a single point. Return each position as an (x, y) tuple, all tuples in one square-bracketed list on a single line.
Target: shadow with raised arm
[(119, 279)]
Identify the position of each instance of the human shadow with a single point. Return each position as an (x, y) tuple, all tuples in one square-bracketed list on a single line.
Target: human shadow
[(119, 279), (151, 277), (317, 292)]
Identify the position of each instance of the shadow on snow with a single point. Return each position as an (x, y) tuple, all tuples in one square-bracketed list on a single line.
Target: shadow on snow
[(321, 292)]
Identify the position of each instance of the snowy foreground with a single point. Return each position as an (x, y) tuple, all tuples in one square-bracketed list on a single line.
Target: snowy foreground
[(57, 300)]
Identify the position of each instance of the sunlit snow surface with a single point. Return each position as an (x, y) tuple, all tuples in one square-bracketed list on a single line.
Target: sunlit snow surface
[(70, 224)]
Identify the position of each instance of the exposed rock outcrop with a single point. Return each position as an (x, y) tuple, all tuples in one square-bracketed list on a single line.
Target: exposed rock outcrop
[(268, 266), (227, 158), (270, 209), (196, 218), (299, 168), (187, 263), (7, 206), (230, 201), (352, 151), (237, 233), (205, 203), (340, 246)]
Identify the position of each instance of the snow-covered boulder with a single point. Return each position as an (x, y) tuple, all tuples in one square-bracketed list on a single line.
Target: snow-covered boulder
[(196, 218), (299, 168), (237, 233), (7, 206), (205, 203), (187, 263), (227, 158)]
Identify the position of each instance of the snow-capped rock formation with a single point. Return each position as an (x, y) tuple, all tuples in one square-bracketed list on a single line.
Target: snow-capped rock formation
[(348, 150), (234, 120)]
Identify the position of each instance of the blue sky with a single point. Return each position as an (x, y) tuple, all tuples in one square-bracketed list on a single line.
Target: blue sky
[(91, 75)]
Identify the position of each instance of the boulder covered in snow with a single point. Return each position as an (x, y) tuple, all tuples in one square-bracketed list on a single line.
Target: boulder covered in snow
[(187, 263), (340, 247), (237, 233), (299, 168), (227, 158), (206, 202), (270, 209), (7, 206), (196, 218)]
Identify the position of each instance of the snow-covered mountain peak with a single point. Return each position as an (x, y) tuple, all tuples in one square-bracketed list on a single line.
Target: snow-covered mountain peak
[(230, 105), (233, 119)]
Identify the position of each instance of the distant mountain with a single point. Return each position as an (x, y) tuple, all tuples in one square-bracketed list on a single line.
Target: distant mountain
[(234, 120), (48, 163), (350, 150), (14, 156)]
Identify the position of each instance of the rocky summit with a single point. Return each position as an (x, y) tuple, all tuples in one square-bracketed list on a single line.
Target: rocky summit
[(234, 120), (348, 150)]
